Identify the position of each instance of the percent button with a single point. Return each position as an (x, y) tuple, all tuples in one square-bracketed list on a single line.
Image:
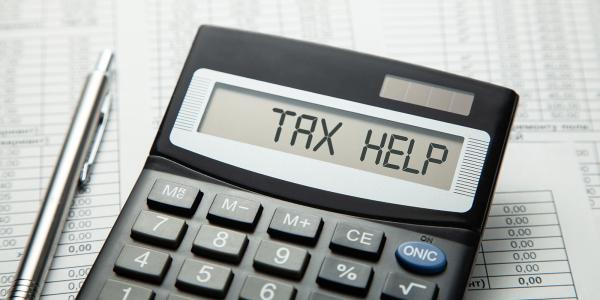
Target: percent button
[(345, 275)]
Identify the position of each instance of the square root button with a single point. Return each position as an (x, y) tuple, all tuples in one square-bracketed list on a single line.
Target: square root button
[(357, 240)]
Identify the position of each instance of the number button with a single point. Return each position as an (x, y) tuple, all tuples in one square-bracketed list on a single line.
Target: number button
[(345, 276), (115, 290), (358, 241), (256, 288), (204, 278), (281, 259), (401, 287), (294, 226), (234, 212), (174, 198), (321, 296), (158, 229), (220, 243), (141, 263)]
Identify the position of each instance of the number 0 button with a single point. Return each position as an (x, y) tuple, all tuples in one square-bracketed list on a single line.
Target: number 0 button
[(256, 288), (204, 278), (141, 263)]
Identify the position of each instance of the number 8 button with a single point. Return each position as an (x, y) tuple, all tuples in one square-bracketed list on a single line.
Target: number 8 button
[(220, 243)]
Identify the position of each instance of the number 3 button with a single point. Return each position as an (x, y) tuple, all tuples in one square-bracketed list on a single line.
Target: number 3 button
[(204, 278)]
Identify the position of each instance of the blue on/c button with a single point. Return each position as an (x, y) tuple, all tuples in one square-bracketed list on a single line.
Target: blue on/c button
[(421, 257)]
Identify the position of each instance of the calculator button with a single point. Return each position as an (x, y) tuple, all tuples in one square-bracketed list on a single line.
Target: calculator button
[(356, 240), (295, 226), (220, 243), (281, 259), (204, 278), (158, 229), (401, 287), (234, 211), (174, 198), (422, 258), (321, 296), (345, 276), (256, 288), (178, 297), (114, 289), (141, 263)]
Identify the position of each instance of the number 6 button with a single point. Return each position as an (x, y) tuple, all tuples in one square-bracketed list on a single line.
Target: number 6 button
[(204, 278)]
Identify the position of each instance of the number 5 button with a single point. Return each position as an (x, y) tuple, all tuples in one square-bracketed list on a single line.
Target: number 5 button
[(204, 278)]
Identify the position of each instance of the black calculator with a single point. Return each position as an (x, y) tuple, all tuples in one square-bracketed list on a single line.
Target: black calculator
[(290, 170)]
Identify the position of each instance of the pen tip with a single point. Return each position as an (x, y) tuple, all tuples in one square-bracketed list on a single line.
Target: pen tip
[(105, 60)]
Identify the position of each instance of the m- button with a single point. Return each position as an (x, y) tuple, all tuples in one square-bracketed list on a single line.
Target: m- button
[(234, 212), (174, 198), (357, 240), (295, 226)]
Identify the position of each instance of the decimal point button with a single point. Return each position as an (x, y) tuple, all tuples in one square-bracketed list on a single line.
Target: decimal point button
[(422, 258)]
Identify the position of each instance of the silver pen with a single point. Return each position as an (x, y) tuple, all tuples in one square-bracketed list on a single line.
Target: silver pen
[(72, 170)]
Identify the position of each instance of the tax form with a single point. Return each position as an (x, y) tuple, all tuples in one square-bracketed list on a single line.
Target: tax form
[(549, 51)]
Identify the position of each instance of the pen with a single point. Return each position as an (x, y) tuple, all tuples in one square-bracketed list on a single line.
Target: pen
[(72, 170)]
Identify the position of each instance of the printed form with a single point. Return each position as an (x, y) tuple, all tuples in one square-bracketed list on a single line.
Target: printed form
[(548, 51)]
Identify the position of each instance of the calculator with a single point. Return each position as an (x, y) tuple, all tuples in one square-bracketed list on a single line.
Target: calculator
[(290, 170)]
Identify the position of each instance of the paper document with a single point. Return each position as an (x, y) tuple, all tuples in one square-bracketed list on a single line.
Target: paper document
[(549, 51), (540, 241)]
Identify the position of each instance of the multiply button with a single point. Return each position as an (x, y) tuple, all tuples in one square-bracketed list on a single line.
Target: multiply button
[(234, 212), (401, 287), (356, 240), (174, 198), (295, 226), (420, 257)]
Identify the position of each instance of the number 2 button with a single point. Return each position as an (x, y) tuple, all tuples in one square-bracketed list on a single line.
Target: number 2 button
[(204, 278)]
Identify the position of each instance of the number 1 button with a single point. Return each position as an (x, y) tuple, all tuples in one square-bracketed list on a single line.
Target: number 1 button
[(115, 290), (204, 278)]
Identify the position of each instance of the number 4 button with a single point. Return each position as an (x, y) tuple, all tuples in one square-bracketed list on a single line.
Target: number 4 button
[(141, 263)]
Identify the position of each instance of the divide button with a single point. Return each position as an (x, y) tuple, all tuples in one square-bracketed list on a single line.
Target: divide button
[(420, 257)]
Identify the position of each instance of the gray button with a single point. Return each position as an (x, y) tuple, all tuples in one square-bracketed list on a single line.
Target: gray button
[(321, 296), (402, 287), (204, 278), (220, 243), (178, 297), (357, 240), (256, 288), (158, 229), (281, 259), (345, 276), (174, 197), (295, 226), (234, 211), (141, 263), (114, 289)]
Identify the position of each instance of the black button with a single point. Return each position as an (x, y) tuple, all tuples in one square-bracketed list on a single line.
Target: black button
[(356, 240), (158, 229), (220, 243), (174, 198), (143, 264), (345, 276), (234, 212), (281, 259), (114, 289), (321, 296), (204, 278), (402, 287), (256, 288), (295, 226)]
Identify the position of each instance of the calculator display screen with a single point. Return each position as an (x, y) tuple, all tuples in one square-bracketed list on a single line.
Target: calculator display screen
[(332, 135)]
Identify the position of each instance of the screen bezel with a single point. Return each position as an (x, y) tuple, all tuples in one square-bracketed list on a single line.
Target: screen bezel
[(348, 75)]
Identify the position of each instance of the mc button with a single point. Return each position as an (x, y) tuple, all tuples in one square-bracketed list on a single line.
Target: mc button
[(174, 198), (420, 257), (358, 241)]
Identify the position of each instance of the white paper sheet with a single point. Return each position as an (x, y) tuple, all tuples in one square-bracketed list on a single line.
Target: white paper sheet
[(549, 51)]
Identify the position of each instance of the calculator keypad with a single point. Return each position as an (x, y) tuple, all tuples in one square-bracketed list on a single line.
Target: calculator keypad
[(233, 246), (220, 243), (142, 263), (281, 259), (204, 278), (158, 229), (234, 212)]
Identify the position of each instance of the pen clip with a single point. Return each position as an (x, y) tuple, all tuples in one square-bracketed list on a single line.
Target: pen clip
[(84, 176)]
